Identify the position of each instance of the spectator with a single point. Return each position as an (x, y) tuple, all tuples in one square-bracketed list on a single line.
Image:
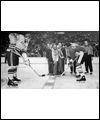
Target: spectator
[(40, 52), (63, 51), (60, 65), (49, 59), (55, 57)]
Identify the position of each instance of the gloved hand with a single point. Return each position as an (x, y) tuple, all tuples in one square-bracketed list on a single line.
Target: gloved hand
[(77, 53), (70, 64), (69, 57), (27, 62), (71, 60)]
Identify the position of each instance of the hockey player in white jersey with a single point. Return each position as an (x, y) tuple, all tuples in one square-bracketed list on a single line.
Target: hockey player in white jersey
[(17, 48)]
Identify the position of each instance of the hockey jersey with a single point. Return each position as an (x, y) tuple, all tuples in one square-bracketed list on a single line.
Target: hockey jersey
[(79, 48), (17, 44), (72, 52)]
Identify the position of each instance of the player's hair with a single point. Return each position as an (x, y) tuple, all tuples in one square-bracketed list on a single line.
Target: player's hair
[(28, 35)]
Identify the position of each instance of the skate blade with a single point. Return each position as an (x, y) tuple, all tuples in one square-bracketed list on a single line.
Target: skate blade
[(81, 81), (9, 86)]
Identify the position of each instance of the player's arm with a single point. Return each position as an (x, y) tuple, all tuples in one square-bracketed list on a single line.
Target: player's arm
[(22, 52), (82, 49), (25, 58)]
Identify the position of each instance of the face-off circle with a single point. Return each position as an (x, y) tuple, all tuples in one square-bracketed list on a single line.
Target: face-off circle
[(3, 81)]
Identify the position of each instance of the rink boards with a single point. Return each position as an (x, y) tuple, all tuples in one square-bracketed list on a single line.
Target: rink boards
[(43, 60)]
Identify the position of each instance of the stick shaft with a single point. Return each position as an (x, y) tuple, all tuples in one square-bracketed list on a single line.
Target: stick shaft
[(34, 70), (68, 66), (29, 65)]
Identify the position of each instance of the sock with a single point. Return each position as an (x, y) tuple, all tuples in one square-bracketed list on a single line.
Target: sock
[(82, 74), (10, 73), (79, 71), (80, 57), (15, 73)]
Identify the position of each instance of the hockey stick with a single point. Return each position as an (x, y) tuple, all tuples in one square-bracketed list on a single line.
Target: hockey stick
[(29, 65), (36, 72), (68, 67), (64, 71)]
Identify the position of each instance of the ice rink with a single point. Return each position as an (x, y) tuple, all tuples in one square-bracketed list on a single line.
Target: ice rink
[(30, 80)]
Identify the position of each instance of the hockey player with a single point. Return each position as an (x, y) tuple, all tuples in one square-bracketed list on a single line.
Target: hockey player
[(72, 59), (18, 47), (80, 53)]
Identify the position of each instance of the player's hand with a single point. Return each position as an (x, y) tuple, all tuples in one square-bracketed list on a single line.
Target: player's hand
[(77, 54), (69, 57), (27, 62), (70, 64), (71, 60)]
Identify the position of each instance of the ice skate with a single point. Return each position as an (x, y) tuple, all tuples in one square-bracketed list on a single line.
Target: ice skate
[(86, 72), (81, 79), (78, 76), (11, 83), (16, 79)]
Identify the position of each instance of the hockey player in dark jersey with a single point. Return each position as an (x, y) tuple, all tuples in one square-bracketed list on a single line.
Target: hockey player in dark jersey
[(79, 52), (18, 47), (72, 59)]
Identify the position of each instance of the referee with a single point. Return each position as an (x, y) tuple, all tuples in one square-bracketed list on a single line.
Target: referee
[(89, 57)]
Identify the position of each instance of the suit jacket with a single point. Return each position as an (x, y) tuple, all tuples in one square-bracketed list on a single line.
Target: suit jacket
[(49, 55), (64, 52)]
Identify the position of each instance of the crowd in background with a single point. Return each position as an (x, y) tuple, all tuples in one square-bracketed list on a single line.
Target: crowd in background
[(56, 57), (39, 40)]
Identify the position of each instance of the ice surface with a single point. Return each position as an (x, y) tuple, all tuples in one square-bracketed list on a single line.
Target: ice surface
[(30, 80)]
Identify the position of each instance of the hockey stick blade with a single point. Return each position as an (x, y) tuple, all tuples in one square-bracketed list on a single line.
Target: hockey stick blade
[(43, 75), (36, 72)]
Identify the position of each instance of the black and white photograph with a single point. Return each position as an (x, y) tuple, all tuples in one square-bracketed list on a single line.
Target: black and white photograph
[(49, 59)]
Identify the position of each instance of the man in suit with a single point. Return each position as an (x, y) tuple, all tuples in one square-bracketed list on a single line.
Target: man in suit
[(49, 58), (64, 56)]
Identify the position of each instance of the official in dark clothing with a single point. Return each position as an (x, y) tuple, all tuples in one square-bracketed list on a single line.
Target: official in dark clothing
[(49, 59), (88, 59)]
